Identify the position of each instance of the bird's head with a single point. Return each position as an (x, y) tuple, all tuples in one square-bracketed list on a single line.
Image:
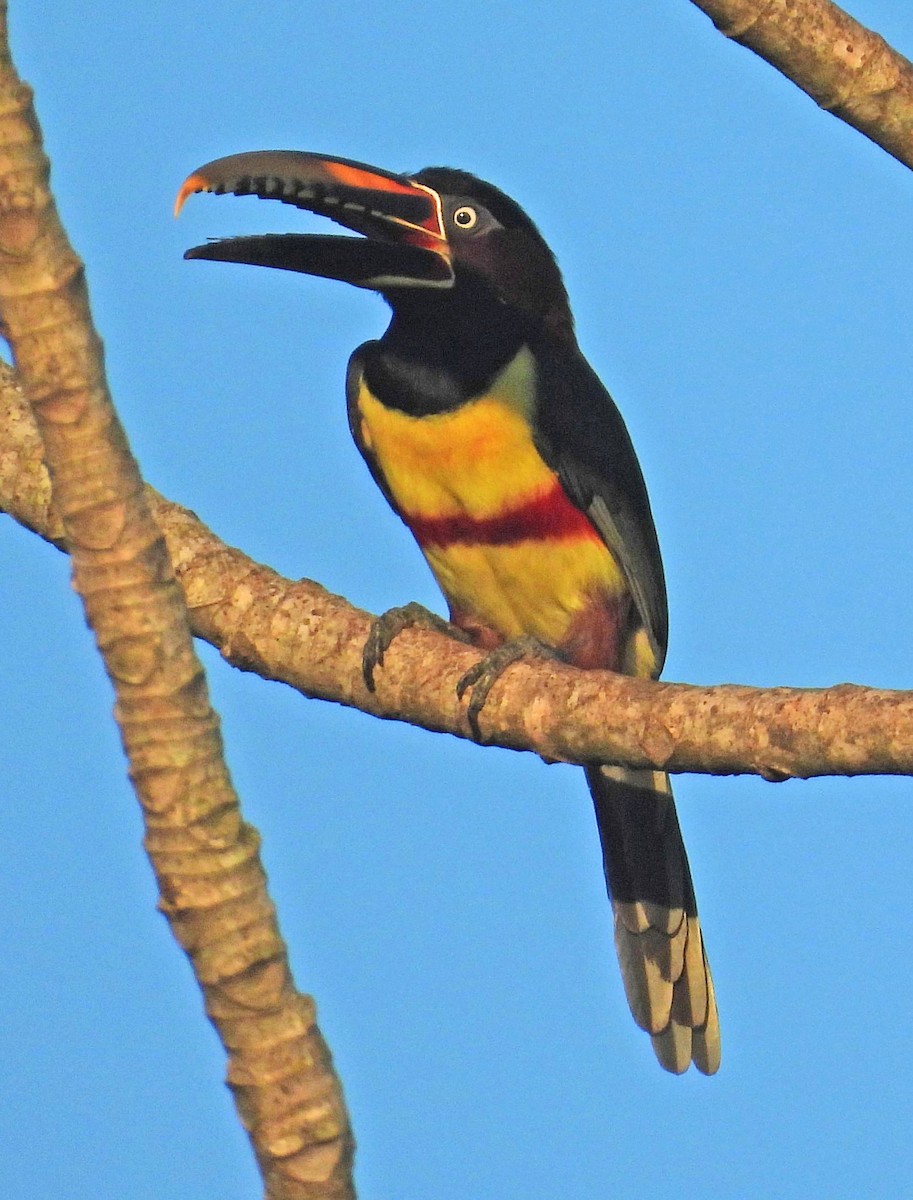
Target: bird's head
[(438, 231)]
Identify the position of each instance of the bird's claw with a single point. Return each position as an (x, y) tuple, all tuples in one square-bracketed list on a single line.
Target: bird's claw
[(390, 624), (482, 677)]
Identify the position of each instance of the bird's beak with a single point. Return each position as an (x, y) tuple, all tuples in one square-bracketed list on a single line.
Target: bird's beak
[(404, 243)]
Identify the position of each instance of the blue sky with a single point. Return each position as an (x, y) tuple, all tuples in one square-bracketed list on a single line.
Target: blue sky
[(739, 266)]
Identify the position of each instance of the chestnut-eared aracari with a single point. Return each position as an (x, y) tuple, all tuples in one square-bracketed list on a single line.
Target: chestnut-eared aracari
[(495, 442)]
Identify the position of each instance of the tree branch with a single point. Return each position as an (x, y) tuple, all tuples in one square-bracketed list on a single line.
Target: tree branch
[(206, 860), (846, 69), (302, 635)]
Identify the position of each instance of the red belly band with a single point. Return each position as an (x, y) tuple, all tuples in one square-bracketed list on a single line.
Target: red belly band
[(549, 516)]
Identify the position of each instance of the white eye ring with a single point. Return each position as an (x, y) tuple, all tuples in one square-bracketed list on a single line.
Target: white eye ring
[(465, 216)]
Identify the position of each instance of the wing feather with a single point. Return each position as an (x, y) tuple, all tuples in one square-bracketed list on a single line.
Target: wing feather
[(582, 436)]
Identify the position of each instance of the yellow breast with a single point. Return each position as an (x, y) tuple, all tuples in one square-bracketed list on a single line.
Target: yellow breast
[(478, 463), (474, 460)]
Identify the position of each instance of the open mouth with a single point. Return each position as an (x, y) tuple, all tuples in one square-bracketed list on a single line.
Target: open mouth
[(402, 244)]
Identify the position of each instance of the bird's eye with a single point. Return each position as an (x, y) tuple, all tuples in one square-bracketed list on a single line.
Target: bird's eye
[(465, 216)]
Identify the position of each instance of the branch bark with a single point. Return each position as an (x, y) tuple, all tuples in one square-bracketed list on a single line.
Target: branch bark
[(847, 70), (206, 860), (204, 856), (304, 636)]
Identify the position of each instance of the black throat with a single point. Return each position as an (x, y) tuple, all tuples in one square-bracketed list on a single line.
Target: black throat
[(441, 349)]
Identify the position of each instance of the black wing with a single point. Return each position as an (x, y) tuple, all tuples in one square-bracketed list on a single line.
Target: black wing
[(353, 380), (581, 435)]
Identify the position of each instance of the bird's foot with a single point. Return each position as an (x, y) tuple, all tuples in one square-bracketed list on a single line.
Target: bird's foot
[(390, 624), (488, 670)]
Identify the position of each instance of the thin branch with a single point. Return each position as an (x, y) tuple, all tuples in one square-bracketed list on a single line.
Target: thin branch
[(206, 861), (301, 634), (846, 69)]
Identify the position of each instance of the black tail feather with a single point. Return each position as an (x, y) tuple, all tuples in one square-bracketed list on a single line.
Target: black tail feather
[(657, 932)]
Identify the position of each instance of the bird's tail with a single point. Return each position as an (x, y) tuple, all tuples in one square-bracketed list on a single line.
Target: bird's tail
[(657, 931)]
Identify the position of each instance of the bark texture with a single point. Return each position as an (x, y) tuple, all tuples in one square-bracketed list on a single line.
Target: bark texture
[(302, 635), (206, 860), (847, 70)]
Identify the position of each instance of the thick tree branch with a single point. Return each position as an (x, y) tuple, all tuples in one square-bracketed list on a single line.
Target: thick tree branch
[(302, 635), (845, 68), (206, 860)]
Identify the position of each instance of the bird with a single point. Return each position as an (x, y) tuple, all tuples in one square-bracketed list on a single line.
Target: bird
[(496, 443)]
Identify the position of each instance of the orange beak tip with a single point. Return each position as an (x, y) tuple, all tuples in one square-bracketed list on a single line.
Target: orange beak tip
[(192, 184)]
